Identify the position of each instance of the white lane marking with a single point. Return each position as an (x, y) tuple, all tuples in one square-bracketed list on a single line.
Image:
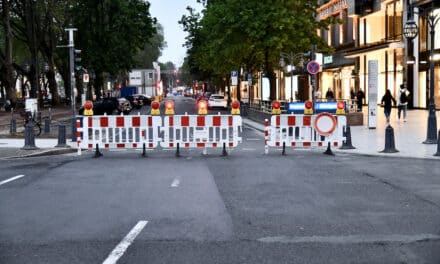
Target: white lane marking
[(248, 149), (175, 183), (125, 243), (254, 139), (11, 179)]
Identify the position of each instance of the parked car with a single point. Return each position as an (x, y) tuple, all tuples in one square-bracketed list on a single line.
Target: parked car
[(108, 105), (124, 105), (146, 99), (135, 101), (217, 100)]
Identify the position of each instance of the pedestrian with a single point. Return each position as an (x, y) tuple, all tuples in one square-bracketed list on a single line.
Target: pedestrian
[(318, 94), (352, 94), (387, 100), (402, 99), (360, 97), (329, 94)]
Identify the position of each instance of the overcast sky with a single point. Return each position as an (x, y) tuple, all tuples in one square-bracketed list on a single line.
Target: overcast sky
[(168, 13)]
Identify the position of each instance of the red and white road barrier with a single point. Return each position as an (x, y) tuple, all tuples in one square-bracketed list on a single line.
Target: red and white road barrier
[(201, 131), (304, 131), (122, 132)]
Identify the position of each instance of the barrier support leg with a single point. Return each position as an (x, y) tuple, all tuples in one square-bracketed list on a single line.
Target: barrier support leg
[(224, 153), (97, 152), (205, 152), (284, 149), (329, 150), (144, 152), (438, 145), (178, 150)]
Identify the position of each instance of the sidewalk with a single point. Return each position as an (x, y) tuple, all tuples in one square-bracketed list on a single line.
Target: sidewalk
[(408, 138)]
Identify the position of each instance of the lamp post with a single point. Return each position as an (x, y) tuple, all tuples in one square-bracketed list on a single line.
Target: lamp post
[(291, 57), (71, 47), (410, 31)]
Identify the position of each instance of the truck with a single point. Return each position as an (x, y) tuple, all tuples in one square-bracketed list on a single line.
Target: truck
[(128, 90)]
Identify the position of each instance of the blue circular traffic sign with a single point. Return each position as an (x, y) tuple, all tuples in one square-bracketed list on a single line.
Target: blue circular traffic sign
[(313, 67)]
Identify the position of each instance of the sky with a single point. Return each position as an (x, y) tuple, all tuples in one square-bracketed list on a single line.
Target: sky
[(168, 13)]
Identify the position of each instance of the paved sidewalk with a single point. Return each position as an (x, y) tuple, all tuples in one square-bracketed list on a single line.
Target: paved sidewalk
[(408, 138)]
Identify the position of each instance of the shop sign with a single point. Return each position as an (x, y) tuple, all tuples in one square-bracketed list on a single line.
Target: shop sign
[(328, 59)]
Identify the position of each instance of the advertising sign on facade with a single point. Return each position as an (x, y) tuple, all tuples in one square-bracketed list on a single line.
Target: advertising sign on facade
[(372, 93), (234, 78)]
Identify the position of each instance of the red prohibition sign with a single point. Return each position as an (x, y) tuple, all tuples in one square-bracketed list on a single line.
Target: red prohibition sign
[(325, 124), (313, 67)]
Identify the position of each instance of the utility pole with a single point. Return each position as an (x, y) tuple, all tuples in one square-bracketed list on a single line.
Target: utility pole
[(313, 76)]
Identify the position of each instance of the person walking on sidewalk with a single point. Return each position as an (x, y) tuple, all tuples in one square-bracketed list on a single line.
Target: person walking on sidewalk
[(387, 100), (402, 101)]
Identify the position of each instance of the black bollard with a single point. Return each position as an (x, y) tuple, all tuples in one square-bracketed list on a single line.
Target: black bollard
[(29, 137), (61, 137), (438, 145), (346, 144), (389, 141), (328, 151), (46, 126), (284, 149), (13, 128)]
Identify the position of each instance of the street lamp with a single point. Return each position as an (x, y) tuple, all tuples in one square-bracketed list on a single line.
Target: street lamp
[(410, 31), (291, 57)]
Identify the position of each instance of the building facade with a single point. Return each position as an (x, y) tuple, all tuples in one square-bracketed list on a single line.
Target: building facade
[(373, 30)]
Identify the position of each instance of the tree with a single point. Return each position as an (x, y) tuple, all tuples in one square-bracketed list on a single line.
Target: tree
[(110, 33), (152, 50), (228, 37), (6, 57)]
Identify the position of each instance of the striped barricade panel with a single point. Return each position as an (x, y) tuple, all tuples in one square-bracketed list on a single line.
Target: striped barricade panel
[(128, 132), (201, 131), (301, 131)]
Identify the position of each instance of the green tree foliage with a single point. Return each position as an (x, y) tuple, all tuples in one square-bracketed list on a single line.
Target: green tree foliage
[(229, 36), (111, 33), (152, 50)]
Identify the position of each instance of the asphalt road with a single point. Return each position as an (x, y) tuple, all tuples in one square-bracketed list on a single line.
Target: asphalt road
[(247, 207)]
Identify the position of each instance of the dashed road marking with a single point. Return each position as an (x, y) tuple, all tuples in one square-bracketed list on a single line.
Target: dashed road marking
[(12, 179), (120, 249), (175, 183)]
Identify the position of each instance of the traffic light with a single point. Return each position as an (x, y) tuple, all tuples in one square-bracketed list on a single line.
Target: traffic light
[(77, 59)]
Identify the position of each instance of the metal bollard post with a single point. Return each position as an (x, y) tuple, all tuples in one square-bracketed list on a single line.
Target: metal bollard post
[(61, 137), (389, 141), (13, 126), (29, 137), (46, 126)]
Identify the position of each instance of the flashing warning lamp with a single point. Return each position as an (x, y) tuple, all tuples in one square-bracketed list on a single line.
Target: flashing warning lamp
[(308, 108), (88, 108), (202, 106), (155, 108), (169, 107), (340, 108), (276, 108), (235, 108)]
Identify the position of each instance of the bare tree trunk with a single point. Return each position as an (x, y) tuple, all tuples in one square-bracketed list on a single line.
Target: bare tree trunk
[(10, 87)]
